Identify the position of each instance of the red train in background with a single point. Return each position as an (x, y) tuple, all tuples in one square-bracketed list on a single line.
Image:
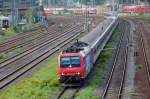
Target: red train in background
[(70, 10), (83, 10), (135, 8), (76, 62)]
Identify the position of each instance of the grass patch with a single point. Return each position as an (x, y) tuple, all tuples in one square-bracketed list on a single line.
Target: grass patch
[(18, 50), (41, 85), (7, 34), (10, 53), (10, 32), (139, 67), (131, 94), (97, 76), (2, 56)]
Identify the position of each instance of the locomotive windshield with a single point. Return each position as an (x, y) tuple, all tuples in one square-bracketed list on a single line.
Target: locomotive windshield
[(70, 61)]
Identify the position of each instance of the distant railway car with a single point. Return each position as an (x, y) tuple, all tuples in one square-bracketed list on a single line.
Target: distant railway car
[(76, 62), (83, 10), (92, 11), (4, 22), (135, 8), (111, 15)]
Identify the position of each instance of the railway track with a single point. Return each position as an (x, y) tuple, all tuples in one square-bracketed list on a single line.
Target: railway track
[(19, 42), (146, 32), (26, 38), (13, 74), (15, 40), (58, 21), (34, 48), (142, 32), (67, 92), (141, 81), (32, 45), (114, 86)]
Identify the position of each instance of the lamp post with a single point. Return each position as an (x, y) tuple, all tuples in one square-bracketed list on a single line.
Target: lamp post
[(145, 5), (13, 12)]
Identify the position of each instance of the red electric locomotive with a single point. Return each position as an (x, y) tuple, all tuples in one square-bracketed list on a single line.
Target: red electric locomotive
[(74, 63)]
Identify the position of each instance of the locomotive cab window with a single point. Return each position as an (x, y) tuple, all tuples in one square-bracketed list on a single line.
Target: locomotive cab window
[(73, 61)]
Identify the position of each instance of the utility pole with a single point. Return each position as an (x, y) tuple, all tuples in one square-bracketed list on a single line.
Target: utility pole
[(82, 16), (146, 5), (94, 3), (87, 15), (14, 12), (113, 5), (49, 3), (40, 2), (54, 4), (40, 10)]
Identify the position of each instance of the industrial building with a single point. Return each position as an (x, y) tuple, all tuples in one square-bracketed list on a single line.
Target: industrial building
[(8, 6)]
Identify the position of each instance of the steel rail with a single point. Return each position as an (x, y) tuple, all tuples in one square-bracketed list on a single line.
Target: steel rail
[(147, 36), (64, 90), (23, 35), (18, 38), (145, 56), (61, 93), (124, 68), (26, 41)]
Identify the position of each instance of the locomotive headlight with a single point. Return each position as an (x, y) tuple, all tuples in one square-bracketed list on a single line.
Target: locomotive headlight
[(62, 74), (78, 73)]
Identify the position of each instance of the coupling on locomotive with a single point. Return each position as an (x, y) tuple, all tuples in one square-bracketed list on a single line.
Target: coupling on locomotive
[(76, 62)]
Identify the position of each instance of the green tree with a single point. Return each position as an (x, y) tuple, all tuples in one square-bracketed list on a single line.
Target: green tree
[(30, 13)]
